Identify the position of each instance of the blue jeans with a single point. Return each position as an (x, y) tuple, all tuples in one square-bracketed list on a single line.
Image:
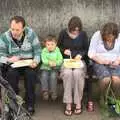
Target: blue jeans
[(49, 80)]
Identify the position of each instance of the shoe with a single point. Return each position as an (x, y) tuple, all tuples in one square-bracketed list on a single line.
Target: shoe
[(68, 112), (53, 97), (77, 111), (45, 96), (31, 110), (90, 106)]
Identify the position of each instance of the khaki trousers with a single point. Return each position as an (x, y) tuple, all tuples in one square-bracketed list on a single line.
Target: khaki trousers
[(73, 83)]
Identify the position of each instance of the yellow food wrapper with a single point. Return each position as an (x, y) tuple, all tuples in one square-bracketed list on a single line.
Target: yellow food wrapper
[(72, 63)]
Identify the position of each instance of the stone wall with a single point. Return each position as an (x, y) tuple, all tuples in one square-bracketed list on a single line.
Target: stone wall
[(50, 16)]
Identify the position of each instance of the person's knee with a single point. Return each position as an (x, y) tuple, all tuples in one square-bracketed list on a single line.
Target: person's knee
[(105, 80), (67, 73), (116, 80), (11, 71), (79, 72)]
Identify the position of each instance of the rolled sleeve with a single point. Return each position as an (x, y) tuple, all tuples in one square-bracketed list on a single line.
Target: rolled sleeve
[(36, 49), (93, 44), (3, 51)]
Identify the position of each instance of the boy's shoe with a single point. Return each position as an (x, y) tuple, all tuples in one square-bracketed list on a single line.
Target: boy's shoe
[(45, 95), (53, 96)]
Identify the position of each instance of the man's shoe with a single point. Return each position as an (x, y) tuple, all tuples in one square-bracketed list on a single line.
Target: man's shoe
[(31, 110)]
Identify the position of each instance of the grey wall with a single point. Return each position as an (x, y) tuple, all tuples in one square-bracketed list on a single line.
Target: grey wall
[(50, 16)]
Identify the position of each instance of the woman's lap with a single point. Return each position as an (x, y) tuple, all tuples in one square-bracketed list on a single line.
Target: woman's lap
[(103, 71), (71, 71)]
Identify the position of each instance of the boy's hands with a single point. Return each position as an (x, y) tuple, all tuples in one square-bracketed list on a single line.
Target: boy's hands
[(52, 63)]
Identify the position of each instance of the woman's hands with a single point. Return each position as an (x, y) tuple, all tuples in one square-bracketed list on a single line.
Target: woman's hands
[(67, 52), (115, 63), (101, 60), (106, 62), (78, 57)]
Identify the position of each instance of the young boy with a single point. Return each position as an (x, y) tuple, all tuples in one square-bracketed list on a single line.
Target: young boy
[(51, 62)]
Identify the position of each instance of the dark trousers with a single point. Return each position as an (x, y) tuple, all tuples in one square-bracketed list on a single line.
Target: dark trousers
[(88, 83), (13, 76), (88, 86)]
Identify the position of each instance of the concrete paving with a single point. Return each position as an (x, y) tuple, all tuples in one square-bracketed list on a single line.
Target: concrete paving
[(49, 110)]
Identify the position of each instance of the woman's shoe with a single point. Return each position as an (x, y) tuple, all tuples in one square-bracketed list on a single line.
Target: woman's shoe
[(77, 111), (90, 106), (68, 112)]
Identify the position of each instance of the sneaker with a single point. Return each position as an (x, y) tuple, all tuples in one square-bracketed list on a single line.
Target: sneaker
[(53, 96), (31, 110), (45, 96)]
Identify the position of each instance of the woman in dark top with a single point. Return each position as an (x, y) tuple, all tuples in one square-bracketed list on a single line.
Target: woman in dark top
[(73, 42)]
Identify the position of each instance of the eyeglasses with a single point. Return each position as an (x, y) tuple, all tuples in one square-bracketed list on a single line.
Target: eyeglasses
[(76, 30)]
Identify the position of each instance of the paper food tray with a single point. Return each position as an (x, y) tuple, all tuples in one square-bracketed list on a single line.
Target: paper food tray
[(21, 63), (72, 63)]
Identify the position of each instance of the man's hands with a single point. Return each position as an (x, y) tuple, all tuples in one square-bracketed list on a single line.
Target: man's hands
[(16, 58), (13, 59), (33, 64)]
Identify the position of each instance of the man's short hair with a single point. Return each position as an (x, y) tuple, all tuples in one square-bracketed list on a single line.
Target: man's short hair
[(18, 19)]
